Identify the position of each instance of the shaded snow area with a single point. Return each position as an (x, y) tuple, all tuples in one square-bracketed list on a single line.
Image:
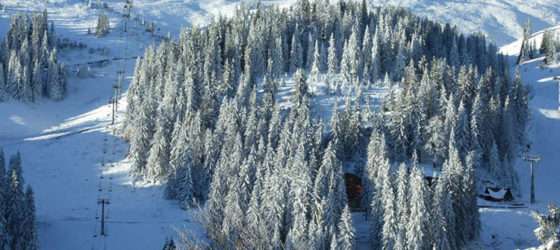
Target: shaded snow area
[(362, 228), (501, 20)]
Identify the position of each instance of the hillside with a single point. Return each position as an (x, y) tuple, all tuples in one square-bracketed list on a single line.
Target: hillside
[(501, 20), (73, 158), (513, 228)]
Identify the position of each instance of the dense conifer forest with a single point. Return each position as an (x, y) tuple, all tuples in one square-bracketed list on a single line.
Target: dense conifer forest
[(204, 116), (29, 69), (17, 207)]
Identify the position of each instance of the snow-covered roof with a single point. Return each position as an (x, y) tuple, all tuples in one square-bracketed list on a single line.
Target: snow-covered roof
[(429, 170), (499, 195)]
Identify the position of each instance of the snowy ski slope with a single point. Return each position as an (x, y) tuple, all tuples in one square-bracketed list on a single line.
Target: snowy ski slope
[(70, 154), (513, 228)]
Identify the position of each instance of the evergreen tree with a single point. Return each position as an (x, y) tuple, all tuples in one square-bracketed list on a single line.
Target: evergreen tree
[(4, 237), (315, 68), (169, 245), (296, 53), (56, 82), (103, 25), (333, 59), (417, 233), (17, 210), (443, 228), (548, 48), (403, 200), (202, 116), (346, 230), (29, 49), (472, 217), (549, 226), (390, 226), (29, 234)]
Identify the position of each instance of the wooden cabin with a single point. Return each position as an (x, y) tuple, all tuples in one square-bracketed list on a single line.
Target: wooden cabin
[(354, 190), (497, 194)]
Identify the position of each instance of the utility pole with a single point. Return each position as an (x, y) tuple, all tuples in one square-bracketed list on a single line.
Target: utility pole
[(103, 202), (127, 12), (118, 86), (557, 78), (533, 160), (114, 103)]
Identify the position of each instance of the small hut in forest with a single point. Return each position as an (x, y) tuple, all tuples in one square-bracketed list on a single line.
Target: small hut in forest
[(354, 190), (497, 194)]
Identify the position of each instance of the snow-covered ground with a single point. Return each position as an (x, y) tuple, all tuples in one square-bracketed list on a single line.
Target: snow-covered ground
[(72, 158), (501, 20), (70, 154), (513, 228), (68, 146), (513, 48)]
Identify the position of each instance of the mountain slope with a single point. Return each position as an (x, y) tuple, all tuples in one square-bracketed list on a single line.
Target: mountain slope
[(71, 156), (513, 228), (67, 180), (501, 20)]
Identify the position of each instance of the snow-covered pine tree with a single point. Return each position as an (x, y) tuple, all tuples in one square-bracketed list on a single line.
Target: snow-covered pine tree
[(301, 88), (443, 228), (15, 204), (403, 199), (242, 136), (548, 47), (3, 205), (29, 233), (462, 130), (390, 220), (472, 216), (103, 25), (233, 218), (180, 184), (296, 53), (332, 59), (17, 210), (548, 231), (142, 134), (29, 49), (346, 231), (418, 225), (315, 67), (56, 83)]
